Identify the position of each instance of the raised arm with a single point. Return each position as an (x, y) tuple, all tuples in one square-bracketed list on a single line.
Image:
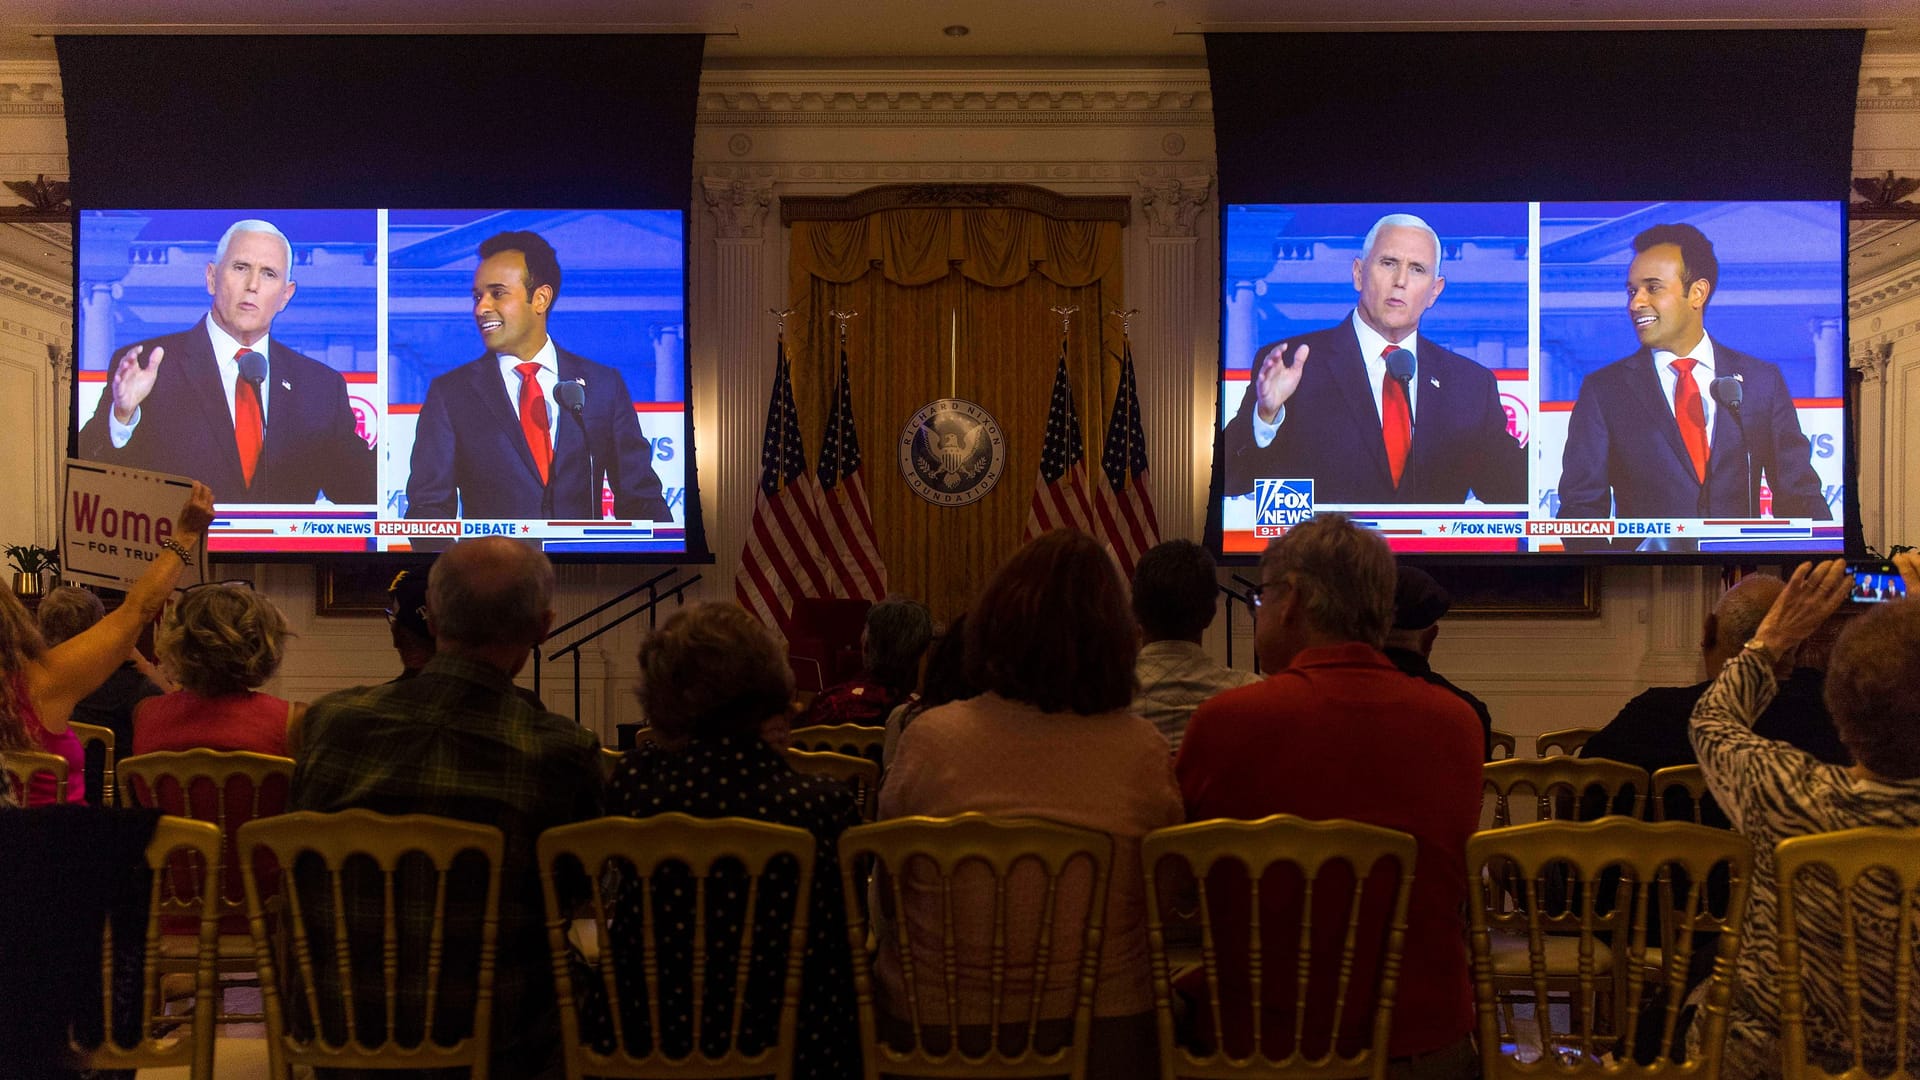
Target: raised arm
[(76, 667)]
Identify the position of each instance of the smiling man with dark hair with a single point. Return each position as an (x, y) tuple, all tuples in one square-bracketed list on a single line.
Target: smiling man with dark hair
[(1648, 439), (495, 440)]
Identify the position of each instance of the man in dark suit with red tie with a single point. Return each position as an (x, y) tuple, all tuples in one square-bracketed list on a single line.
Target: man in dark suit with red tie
[(230, 406), (500, 436), (1328, 405), (1648, 439)]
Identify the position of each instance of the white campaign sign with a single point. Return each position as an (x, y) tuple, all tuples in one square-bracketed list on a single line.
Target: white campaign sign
[(114, 519)]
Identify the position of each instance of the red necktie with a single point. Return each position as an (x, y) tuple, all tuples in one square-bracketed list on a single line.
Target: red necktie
[(1691, 412), (533, 418), (248, 430), (1396, 420)]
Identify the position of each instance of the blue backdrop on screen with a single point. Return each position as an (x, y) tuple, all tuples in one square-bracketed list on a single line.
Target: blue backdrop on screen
[(622, 295), (156, 262), (1780, 296), (1289, 270)]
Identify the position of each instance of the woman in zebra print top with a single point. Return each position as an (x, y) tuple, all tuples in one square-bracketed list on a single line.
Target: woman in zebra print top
[(1773, 791)]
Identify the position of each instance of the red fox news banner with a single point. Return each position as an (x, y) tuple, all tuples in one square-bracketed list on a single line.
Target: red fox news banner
[(114, 520)]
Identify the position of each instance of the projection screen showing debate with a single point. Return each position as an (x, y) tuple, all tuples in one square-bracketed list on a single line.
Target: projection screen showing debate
[(358, 380), (1506, 378)]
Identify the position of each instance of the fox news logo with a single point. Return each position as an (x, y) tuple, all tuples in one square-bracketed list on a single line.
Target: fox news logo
[(1280, 504)]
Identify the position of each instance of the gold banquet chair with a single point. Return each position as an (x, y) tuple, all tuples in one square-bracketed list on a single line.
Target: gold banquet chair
[(861, 775), (1503, 745), (419, 893), (723, 858), (1678, 788), (20, 767), (976, 866), (855, 740), (1527, 790), (227, 789), (609, 760), (90, 736), (162, 1040), (1238, 857), (1616, 873), (1562, 741), (1522, 790), (1864, 880)]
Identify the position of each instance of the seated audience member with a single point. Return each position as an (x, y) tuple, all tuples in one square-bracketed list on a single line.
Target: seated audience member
[(63, 614), (1338, 732), (897, 633), (220, 641), (40, 686), (1419, 603), (945, 680), (1652, 729), (1050, 736), (1774, 791), (407, 622), (1175, 594), (710, 676), (455, 741)]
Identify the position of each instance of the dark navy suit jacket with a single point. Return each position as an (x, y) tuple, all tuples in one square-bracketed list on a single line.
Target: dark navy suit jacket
[(1624, 457), (310, 445), (1332, 431), (470, 457)]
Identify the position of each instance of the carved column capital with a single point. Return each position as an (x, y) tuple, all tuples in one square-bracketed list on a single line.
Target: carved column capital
[(1172, 205), (1871, 361), (740, 206)]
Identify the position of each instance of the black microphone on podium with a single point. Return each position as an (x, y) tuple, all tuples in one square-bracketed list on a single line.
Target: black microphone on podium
[(571, 395), (1400, 366), (253, 368), (1729, 392)]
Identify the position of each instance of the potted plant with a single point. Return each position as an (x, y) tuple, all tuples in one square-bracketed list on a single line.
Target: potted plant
[(30, 562)]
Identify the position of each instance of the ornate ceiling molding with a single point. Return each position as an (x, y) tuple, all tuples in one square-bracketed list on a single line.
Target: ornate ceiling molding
[(866, 97), (950, 195), (1869, 297), (30, 88), (835, 174), (35, 290)]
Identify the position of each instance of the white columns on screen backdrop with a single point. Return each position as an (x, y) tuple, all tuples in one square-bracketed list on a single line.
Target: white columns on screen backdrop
[(96, 324), (742, 364), (1176, 366), (1829, 357), (667, 362)]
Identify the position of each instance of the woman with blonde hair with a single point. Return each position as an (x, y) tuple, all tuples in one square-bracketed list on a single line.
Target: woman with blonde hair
[(220, 642), (39, 686)]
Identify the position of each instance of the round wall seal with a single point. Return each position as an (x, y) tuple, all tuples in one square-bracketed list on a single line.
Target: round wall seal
[(952, 452)]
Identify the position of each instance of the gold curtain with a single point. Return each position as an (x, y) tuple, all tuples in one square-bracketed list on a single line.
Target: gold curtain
[(910, 273)]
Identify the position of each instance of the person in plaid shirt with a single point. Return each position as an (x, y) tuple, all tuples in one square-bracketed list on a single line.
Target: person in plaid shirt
[(456, 741)]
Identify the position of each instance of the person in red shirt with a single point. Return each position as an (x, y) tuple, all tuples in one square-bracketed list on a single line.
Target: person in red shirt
[(1339, 732)]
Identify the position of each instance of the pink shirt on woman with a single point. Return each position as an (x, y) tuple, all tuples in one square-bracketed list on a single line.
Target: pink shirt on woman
[(184, 720), (1004, 758)]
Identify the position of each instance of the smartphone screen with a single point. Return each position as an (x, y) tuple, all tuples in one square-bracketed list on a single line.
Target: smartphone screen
[(1876, 583)]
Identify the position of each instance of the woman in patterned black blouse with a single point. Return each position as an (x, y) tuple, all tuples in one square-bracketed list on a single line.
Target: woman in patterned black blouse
[(1773, 791), (710, 677)]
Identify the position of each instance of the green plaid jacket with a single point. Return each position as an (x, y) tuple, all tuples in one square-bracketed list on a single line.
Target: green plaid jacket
[(455, 741)]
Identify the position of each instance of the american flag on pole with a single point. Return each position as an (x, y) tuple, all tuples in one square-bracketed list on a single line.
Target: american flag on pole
[(851, 550), (1060, 493), (781, 560), (1123, 507)]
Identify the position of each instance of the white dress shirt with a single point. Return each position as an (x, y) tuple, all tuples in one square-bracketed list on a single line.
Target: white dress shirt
[(547, 376), (226, 349), (1702, 378), (1373, 349)]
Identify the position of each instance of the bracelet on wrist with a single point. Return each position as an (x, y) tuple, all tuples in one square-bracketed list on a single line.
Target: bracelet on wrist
[(179, 550)]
